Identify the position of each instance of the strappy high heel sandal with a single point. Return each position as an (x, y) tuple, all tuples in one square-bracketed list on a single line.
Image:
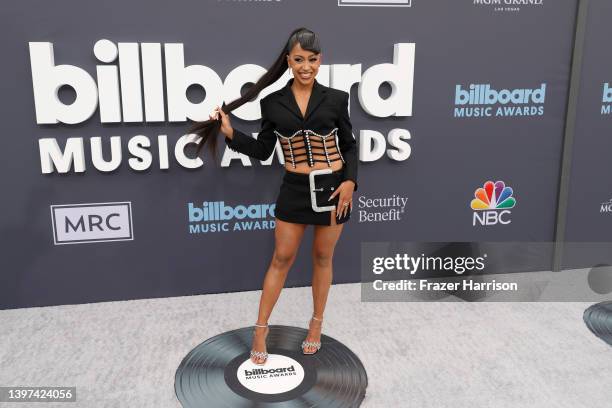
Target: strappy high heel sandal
[(260, 354), (316, 344)]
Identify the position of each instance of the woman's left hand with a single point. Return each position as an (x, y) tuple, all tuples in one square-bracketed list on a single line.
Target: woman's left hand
[(345, 189)]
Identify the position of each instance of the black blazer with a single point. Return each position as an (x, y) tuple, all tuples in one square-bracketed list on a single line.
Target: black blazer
[(327, 109)]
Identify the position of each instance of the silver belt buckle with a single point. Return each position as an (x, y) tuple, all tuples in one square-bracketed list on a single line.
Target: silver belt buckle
[(313, 190)]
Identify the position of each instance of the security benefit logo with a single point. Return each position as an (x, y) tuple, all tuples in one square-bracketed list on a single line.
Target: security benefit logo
[(94, 222), (381, 209), (217, 216), (482, 100), (279, 374), (492, 204)]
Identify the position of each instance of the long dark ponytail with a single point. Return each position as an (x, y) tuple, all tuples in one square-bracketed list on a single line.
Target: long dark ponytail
[(209, 129)]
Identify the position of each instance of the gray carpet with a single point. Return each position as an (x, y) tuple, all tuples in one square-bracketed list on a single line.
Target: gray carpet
[(124, 354)]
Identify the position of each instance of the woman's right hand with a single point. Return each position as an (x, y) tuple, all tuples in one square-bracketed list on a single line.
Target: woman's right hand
[(226, 126)]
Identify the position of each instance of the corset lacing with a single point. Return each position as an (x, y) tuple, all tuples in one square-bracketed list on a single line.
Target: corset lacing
[(290, 145)]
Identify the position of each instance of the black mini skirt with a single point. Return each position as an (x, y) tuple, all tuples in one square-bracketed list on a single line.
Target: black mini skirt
[(294, 202)]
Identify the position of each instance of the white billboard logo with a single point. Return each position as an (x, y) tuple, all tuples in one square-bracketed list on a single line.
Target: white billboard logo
[(123, 94)]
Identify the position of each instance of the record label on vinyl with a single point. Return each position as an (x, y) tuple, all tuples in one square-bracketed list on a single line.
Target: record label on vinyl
[(279, 374)]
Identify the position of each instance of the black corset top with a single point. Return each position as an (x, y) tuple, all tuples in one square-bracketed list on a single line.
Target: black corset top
[(315, 147)]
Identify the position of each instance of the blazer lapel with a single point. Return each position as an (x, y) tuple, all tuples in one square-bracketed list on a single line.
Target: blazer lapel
[(316, 97)]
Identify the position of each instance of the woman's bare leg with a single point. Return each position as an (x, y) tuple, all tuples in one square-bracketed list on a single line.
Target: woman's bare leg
[(287, 238), (325, 239)]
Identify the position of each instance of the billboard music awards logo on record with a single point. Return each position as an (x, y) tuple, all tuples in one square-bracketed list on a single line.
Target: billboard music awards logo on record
[(381, 209), (216, 216), (492, 204), (279, 374), (482, 100), (508, 5)]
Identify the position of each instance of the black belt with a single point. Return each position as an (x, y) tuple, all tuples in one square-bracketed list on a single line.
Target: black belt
[(319, 194)]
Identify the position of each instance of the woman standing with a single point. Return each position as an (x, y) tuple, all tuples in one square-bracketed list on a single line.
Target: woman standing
[(312, 125)]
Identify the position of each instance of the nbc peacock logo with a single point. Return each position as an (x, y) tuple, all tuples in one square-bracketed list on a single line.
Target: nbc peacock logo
[(492, 203)]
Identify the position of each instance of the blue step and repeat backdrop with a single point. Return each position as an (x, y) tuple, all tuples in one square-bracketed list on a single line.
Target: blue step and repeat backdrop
[(589, 206), (453, 102)]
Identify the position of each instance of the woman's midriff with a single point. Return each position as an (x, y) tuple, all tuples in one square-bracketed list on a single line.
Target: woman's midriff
[(321, 152), (304, 168)]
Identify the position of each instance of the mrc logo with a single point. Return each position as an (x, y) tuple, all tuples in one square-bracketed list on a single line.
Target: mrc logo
[(92, 222), (492, 204)]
